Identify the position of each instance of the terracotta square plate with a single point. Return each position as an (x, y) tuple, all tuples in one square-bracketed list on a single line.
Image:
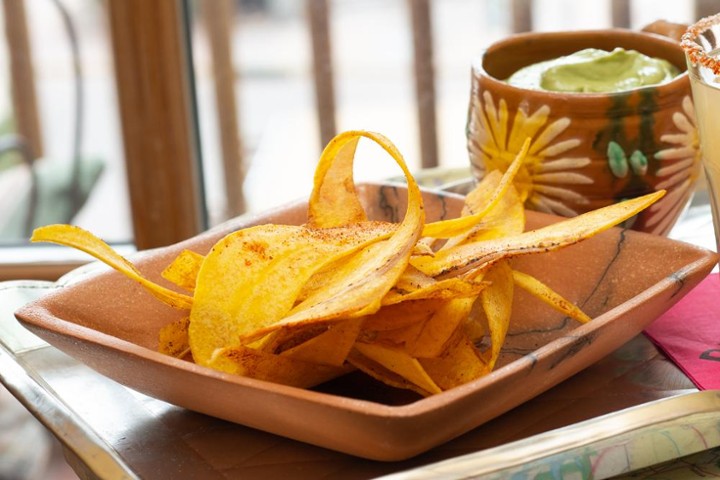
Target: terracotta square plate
[(623, 279)]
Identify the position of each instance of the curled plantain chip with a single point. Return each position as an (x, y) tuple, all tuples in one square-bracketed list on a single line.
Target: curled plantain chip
[(360, 281), (553, 237), (472, 216), (184, 269), (76, 237)]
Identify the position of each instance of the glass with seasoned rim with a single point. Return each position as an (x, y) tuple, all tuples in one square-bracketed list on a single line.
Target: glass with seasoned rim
[(701, 43)]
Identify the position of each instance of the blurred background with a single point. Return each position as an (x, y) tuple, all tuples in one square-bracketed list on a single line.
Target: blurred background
[(149, 121), (260, 101)]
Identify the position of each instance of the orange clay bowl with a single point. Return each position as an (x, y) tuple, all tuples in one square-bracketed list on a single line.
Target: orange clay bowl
[(588, 149)]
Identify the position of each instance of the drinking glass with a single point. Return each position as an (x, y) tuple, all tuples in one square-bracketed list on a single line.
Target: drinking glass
[(701, 43)]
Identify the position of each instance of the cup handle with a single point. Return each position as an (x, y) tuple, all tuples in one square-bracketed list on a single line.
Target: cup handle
[(666, 29)]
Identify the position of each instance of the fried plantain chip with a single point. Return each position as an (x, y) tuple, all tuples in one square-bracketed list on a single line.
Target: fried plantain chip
[(248, 362), (184, 269), (458, 364), (459, 259), (80, 239), (391, 317), (382, 374), (359, 282), (438, 329), (398, 337), (448, 288), (400, 363), (334, 201), (371, 231), (468, 221), (251, 279), (497, 304), (507, 218), (173, 338), (549, 296), (330, 347)]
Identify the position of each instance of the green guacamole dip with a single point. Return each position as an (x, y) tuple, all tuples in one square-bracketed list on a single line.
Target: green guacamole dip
[(595, 71)]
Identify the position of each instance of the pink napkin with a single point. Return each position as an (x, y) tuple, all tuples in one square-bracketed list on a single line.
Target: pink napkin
[(689, 334)]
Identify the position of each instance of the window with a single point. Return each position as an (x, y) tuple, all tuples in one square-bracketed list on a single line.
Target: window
[(127, 96)]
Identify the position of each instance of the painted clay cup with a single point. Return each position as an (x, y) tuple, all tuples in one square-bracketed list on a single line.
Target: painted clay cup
[(588, 150)]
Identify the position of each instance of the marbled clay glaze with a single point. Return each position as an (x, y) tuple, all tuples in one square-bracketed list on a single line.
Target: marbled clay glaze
[(588, 149)]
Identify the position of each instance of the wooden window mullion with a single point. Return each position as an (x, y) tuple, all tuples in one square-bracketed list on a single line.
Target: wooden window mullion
[(153, 84)]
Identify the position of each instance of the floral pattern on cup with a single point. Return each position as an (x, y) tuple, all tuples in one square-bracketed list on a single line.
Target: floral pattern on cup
[(683, 161), (495, 138)]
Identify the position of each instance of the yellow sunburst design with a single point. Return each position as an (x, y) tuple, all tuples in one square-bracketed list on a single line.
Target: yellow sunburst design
[(494, 140), (678, 171)]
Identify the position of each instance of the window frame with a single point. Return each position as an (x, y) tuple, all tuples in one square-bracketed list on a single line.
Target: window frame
[(154, 79)]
